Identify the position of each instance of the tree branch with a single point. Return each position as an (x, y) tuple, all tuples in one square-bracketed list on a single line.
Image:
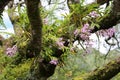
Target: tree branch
[(101, 2), (112, 19)]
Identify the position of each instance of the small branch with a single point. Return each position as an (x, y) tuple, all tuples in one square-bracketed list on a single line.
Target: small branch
[(50, 2), (117, 41), (108, 52), (82, 47)]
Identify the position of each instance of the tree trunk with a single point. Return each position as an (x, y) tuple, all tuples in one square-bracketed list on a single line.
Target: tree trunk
[(33, 12), (40, 69)]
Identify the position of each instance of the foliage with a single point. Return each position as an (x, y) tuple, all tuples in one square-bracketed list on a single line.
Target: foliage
[(10, 71), (78, 65)]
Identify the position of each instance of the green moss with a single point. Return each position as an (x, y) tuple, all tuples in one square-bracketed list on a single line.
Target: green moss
[(12, 72)]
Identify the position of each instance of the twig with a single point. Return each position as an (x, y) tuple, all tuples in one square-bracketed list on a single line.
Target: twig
[(107, 52), (50, 2)]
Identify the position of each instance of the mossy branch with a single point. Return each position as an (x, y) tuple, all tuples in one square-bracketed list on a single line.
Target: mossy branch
[(104, 73), (107, 72)]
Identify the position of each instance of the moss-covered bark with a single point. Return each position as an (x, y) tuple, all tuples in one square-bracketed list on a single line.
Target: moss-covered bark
[(104, 73)]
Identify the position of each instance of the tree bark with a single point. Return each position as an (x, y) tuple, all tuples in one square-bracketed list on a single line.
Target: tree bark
[(33, 12)]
